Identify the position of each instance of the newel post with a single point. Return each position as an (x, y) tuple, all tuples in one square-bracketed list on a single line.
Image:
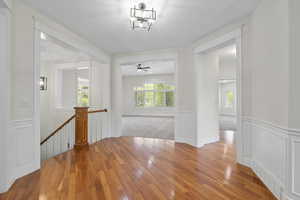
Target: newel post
[(81, 127)]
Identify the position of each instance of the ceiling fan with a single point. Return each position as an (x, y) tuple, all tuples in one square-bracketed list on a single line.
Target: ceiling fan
[(141, 68)]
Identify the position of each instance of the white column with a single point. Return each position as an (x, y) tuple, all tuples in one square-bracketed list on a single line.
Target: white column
[(207, 99)]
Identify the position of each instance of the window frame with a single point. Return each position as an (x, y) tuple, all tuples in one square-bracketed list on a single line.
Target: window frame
[(155, 91), (223, 109), (59, 85)]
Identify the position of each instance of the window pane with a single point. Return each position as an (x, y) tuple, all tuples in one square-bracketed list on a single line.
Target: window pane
[(170, 87), (138, 88), (83, 87), (160, 99), (159, 86), (139, 97), (83, 93), (229, 99), (149, 86), (170, 99), (149, 99)]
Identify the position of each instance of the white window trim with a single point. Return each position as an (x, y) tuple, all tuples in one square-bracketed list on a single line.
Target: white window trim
[(154, 91)]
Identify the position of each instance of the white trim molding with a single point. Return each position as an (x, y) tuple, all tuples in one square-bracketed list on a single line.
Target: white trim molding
[(295, 166), (21, 160), (273, 152), (61, 33), (220, 40)]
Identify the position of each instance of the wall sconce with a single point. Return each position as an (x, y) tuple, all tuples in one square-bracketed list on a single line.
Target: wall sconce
[(43, 83)]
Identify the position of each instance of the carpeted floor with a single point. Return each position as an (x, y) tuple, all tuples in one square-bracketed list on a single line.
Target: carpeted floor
[(149, 127)]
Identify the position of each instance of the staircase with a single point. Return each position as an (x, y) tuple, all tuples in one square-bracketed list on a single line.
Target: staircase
[(84, 127)]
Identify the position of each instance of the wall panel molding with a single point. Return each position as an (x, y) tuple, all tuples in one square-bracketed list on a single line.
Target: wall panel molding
[(295, 166), (22, 160), (272, 152), (277, 128)]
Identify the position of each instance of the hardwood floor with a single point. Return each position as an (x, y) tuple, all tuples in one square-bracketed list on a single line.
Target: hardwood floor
[(142, 169)]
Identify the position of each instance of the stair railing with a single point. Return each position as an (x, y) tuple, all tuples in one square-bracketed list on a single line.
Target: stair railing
[(77, 131)]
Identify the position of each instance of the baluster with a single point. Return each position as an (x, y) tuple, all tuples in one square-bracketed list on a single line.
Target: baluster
[(65, 141), (60, 141), (52, 144), (90, 128), (47, 152), (101, 125), (94, 130)]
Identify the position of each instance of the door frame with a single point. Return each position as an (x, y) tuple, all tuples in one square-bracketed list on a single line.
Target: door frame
[(62, 34), (236, 36)]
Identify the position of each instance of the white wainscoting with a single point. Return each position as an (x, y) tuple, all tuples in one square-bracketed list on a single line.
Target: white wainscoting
[(273, 152), (23, 158), (295, 164)]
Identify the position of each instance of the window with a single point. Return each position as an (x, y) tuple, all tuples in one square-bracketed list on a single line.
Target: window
[(154, 95), (83, 92), (72, 88), (229, 98), (227, 101)]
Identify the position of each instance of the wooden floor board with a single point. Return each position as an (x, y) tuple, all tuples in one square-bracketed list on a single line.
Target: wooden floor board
[(128, 168)]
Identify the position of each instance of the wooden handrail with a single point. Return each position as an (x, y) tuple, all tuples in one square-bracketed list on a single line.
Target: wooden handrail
[(66, 122), (58, 129), (97, 111)]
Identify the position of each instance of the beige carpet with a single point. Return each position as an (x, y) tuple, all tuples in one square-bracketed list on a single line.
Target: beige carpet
[(149, 127)]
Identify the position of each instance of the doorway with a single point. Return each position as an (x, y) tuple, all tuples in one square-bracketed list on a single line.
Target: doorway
[(64, 84), (148, 90), (67, 76), (218, 66), (227, 93)]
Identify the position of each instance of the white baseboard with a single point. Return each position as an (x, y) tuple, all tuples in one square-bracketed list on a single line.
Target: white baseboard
[(268, 150), (185, 140), (208, 141), (273, 184)]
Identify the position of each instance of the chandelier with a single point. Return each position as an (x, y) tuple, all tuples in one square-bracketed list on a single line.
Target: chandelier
[(141, 18)]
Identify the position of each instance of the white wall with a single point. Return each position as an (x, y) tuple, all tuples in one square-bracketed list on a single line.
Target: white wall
[(207, 67), (227, 67), (23, 55), (268, 71), (268, 51), (185, 120), (55, 108), (130, 82), (294, 107), (294, 119), (23, 150), (4, 96)]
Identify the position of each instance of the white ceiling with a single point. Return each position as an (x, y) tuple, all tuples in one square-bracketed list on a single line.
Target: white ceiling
[(157, 67), (106, 22), (55, 51)]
